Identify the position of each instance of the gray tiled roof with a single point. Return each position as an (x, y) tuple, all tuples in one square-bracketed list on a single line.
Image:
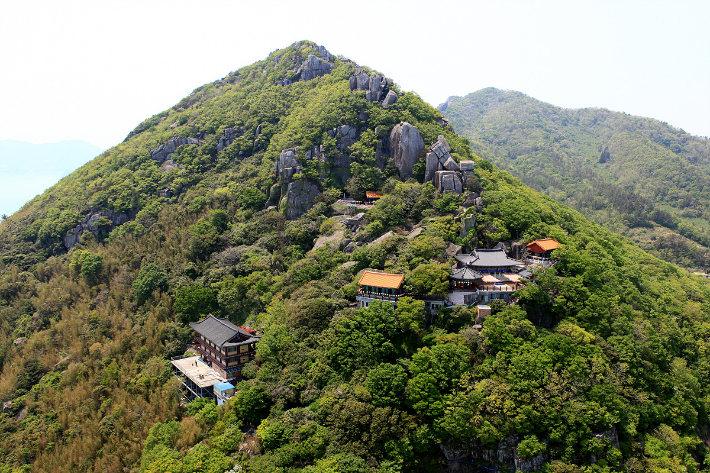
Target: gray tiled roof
[(219, 331), (466, 273), (487, 258)]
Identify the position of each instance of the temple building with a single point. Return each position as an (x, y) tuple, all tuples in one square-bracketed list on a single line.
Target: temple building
[(379, 286), (489, 261), (225, 347), (483, 276), (543, 248)]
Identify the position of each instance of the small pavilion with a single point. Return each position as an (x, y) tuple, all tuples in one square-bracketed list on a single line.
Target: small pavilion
[(543, 248)]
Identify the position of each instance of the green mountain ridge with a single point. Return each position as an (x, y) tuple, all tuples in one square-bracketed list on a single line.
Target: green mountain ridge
[(638, 176), (231, 201)]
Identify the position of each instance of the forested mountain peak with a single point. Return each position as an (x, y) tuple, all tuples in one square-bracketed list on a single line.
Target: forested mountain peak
[(261, 199), (638, 176)]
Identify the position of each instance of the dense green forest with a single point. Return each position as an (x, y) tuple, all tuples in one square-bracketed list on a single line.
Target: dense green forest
[(637, 176), (602, 365)]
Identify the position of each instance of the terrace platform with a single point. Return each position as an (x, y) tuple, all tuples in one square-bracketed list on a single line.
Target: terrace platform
[(196, 376)]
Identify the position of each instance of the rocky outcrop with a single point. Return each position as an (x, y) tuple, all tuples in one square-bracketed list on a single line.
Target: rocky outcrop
[(374, 86), (506, 455), (448, 181), (468, 222), (299, 198), (228, 137), (405, 143), (467, 168), (286, 166), (473, 200), (99, 223), (296, 196), (390, 99), (312, 67), (164, 152), (346, 136), (170, 165), (441, 167)]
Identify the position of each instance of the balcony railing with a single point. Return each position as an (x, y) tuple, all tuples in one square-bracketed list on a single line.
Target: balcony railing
[(382, 297)]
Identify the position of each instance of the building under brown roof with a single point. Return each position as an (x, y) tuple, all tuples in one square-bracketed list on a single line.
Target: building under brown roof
[(543, 247), (383, 280)]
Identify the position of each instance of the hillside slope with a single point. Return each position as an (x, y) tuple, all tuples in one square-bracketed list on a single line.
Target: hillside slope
[(638, 176), (227, 204)]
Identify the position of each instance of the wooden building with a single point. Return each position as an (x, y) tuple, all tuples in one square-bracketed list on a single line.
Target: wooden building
[(225, 347), (380, 286), (485, 275), (489, 261), (543, 248), (371, 197)]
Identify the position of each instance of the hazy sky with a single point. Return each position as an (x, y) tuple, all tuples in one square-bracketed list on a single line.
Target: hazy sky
[(93, 70)]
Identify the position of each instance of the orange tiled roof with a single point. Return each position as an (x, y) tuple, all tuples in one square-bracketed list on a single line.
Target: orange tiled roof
[(547, 244), (385, 280), (489, 278), (372, 195)]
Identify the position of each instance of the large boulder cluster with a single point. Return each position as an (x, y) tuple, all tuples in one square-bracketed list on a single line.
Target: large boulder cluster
[(93, 223), (165, 151), (405, 143), (442, 168), (228, 137), (374, 87), (312, 67)]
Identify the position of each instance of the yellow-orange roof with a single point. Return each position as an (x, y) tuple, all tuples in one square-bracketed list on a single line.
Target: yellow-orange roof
[(547, 244), (489, 278), (385, 280), (372, 195)]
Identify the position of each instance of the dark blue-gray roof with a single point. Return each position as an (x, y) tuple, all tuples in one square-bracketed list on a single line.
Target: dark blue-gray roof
[(220, 331), (487, 259), (466, 274)]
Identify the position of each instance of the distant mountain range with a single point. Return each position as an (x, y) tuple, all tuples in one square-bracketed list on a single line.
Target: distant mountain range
[(637, 176), (27, 169)]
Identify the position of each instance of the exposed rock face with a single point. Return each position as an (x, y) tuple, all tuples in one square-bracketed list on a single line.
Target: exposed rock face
[(287, 165), (312, 67), (346, 136), (377, 86), (296, 195), (92, 223), (439, 160), (299, 198), (163, 152), (467, 168), (468, 223), (374, 86), (228, 137), (169, 165), (355, 221), (505, 455), (613, 437), (315, 67), (390, 99), (405, 144), (448, 181)]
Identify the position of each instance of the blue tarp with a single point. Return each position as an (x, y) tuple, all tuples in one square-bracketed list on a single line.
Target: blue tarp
[(224, 386)]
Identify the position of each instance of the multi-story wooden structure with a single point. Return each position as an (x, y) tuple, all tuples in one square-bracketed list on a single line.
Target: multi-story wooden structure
[(225, 347), (486, 275)]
